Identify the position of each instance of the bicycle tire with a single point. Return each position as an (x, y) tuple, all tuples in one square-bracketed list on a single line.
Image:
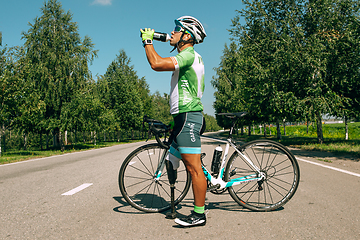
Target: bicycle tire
[(281, 170), (137, 184)]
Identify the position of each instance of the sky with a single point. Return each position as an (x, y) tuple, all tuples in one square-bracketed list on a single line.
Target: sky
[(114, 25)]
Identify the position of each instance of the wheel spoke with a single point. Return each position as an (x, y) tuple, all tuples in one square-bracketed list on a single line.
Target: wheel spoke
[(140, 182), (144, 165), (138, 169), (279, 167), (137, 181)]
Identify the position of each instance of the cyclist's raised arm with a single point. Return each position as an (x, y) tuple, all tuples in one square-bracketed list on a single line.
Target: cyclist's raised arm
[(158, 63)]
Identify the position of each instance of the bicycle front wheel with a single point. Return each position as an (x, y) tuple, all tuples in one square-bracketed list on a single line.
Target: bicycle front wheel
[(140, 186), (278, 165)]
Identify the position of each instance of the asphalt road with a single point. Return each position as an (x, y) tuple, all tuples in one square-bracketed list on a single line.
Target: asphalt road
[(40, 199)]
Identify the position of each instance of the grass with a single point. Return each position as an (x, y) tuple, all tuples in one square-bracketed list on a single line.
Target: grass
[(21, 155), (324, 160), (334, 138)]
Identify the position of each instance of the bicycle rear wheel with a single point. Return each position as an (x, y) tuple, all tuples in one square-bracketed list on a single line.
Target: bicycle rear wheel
[(138, 184), (281, 170)]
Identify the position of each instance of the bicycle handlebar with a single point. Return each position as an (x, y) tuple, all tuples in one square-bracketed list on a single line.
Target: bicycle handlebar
[(149, 120), (158, 128)]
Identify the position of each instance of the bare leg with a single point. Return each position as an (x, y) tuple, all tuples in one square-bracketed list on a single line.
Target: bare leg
[(199, 185)]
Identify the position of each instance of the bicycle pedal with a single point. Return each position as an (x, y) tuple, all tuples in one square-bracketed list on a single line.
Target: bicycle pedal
[(217, 186)]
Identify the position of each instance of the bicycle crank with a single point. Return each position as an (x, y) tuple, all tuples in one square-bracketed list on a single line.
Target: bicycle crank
[(260, 187)]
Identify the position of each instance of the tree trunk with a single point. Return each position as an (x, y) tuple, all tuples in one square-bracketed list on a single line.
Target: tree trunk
[(61, 142), (47, 141), (307, 127), (278, 130), (41, 146), (270, 129), (66, 138), (57, 138), (4, 140), (319, 128), (264, 130), (0, 142), (346, 129), (284, 128), (54, 139), (249, 130), (25, 141)]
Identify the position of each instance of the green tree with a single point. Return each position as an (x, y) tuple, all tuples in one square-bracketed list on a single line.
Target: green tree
[(86, 112), (257, 67), (343, 65), (230, 84), (145, 96), (211, 123), (283, 59), (10, 90), (161, 108), (122, 93), (58, 62)]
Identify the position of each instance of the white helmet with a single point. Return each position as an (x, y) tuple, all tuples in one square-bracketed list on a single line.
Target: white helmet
[(193, 26)]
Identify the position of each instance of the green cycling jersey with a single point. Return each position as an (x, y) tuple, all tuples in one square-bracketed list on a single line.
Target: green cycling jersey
[(187, 82)]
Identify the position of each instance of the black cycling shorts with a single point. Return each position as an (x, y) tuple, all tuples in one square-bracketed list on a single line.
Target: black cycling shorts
[(186, 133)]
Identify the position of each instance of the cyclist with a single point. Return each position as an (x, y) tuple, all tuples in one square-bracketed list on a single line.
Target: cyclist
[(187, 87)]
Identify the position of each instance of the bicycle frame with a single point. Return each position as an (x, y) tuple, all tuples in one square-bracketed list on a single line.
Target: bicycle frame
[(160, 167), (218, 181)]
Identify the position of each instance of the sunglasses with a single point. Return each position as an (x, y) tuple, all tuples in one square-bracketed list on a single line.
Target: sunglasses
[(178, 29)]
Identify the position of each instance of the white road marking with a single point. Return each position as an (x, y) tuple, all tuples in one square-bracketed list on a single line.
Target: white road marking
[(333, 168), (78, 189)]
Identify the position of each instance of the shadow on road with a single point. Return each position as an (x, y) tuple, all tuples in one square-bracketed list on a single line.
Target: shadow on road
[(229, 205), (124, 204)]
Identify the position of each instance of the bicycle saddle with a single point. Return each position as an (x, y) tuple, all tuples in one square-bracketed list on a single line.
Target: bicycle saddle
[(233, 115)]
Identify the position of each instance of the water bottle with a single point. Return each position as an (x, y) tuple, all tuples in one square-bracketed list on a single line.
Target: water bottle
[(163, 37), (216, 161)]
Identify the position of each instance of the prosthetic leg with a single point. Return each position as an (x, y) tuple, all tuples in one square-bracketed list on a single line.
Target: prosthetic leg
[(172, 175)]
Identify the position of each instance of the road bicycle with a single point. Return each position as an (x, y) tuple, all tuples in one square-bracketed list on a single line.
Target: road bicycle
[(261, 175)]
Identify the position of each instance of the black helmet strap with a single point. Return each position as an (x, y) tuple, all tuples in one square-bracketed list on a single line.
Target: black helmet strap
[(181, 40)]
